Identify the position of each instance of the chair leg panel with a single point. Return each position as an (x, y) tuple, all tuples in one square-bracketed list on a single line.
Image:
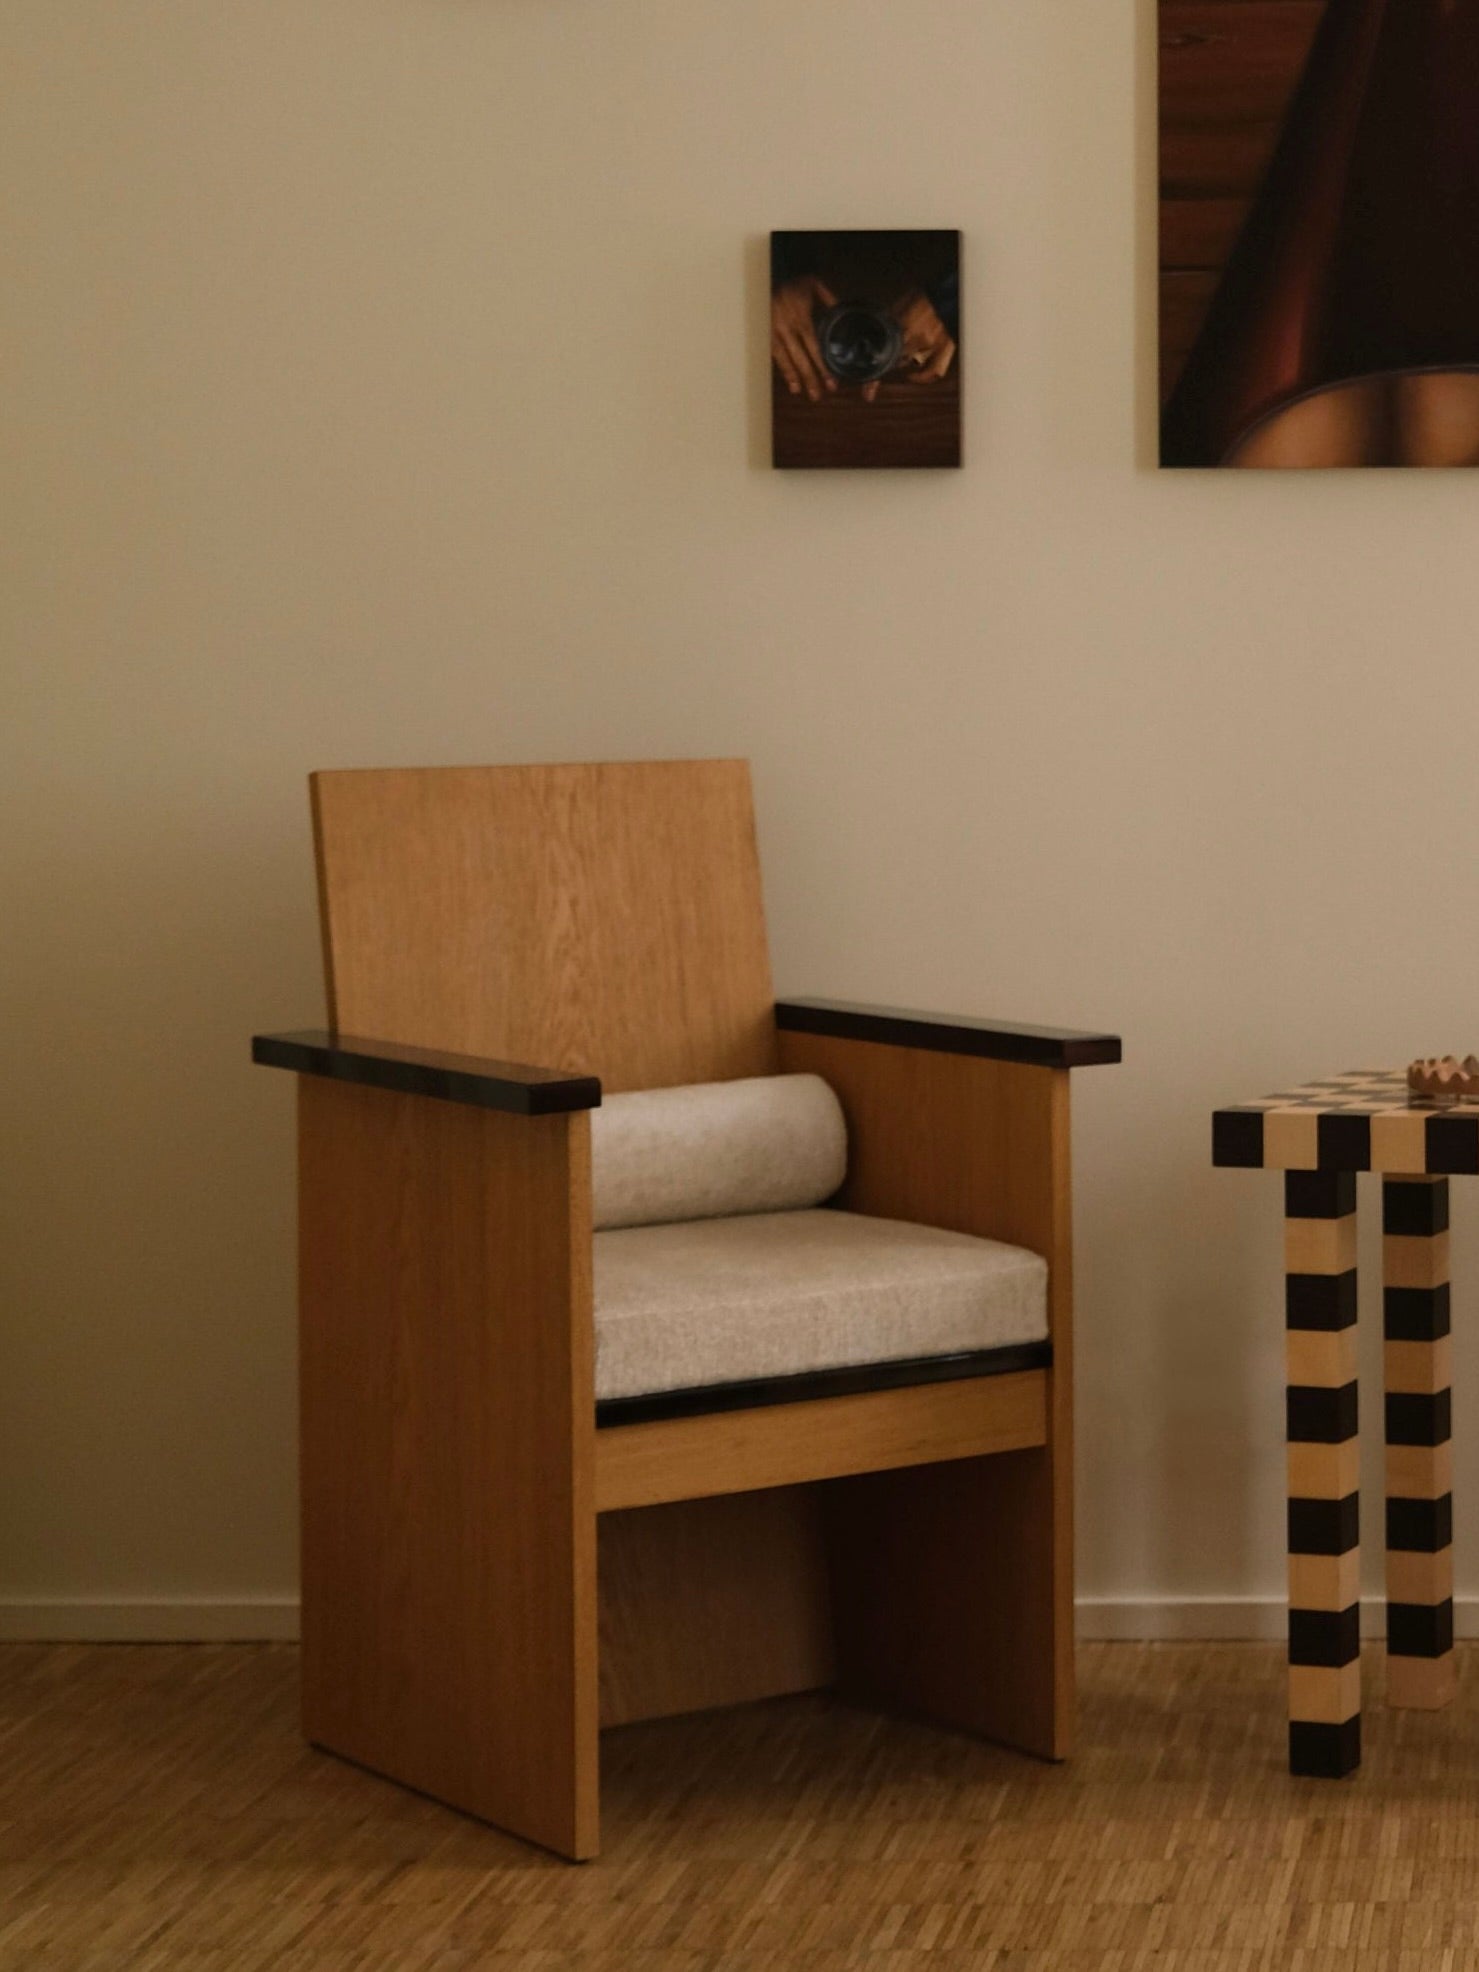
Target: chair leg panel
[(712, 1602), (953, 1596), (449, 1616)]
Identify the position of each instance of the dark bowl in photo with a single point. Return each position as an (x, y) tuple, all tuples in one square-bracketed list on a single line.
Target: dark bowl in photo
[(859, 342)]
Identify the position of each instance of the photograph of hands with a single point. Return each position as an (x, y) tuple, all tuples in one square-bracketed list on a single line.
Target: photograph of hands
[(865, 348)]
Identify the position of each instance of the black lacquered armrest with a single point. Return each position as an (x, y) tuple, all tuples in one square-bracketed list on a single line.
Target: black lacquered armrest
[(1045, 1047), (470, 1078)]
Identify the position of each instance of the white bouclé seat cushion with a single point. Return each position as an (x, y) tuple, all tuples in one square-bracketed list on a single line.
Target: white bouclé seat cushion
[(712, 1265), (780, 1293)]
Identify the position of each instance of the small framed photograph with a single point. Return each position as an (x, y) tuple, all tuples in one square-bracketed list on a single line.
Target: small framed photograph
[(865, 348)]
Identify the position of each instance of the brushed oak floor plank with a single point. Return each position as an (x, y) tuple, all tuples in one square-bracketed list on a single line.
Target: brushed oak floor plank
[(158, 1813)]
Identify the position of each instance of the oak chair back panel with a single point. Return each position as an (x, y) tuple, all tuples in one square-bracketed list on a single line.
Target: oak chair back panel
[(606, 918)]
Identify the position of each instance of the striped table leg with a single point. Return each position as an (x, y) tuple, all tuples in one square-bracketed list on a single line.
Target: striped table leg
[(1324, 1473), (1415, 1321)]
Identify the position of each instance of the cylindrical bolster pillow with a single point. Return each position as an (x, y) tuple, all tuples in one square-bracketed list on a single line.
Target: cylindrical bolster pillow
[(713, 1150)]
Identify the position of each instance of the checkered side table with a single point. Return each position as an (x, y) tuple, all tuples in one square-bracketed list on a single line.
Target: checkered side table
[(1320, 1136)]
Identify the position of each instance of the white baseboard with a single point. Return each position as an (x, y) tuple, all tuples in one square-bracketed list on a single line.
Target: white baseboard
[(1218, 1619), (150, 1619), (274, 1619)]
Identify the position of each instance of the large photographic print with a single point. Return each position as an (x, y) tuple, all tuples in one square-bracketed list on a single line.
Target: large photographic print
[(1319, 208), (865, 348)]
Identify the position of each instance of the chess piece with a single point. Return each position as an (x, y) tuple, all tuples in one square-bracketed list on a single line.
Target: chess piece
[(1444, 1079)]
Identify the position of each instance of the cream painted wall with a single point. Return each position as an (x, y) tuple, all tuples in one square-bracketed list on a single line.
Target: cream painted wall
[(386, 383)]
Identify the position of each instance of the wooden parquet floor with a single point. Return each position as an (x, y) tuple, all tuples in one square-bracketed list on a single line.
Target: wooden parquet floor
[(159, 1814)]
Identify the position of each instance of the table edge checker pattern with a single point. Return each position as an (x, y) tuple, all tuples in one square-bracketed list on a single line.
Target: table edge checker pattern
[(1360, 1121)]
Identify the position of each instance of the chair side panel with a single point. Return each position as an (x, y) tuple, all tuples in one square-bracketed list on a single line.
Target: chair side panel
[(954, 1583), (447, 1444)]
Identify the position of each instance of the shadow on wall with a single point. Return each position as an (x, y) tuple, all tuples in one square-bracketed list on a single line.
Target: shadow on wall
[(148, 1342), (757, 350), (1196, 1406), (1216, 1391)]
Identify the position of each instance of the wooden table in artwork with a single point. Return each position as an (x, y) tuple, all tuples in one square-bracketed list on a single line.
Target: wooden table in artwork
[(1320, 1136)]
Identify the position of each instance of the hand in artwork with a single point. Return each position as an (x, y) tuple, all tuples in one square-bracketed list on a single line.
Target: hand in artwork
[(793, 336), (929, 347)]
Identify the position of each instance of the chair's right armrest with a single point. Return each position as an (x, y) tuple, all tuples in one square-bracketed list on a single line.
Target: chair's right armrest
[(949, 1126), (480, 1081), (945, 1128), (993, 1040)]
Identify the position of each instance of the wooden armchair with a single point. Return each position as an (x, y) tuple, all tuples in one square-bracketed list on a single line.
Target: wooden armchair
[(494, 1564)]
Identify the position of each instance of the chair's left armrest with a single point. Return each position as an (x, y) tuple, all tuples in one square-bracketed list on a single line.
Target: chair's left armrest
[(474, 1079), (995, 1040)]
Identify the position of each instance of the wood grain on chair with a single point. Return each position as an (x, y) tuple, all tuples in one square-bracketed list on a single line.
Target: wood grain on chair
[(504, 942)]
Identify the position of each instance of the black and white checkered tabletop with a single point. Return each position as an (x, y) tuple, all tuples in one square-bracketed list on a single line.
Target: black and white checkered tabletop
[(1360, 1121)]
